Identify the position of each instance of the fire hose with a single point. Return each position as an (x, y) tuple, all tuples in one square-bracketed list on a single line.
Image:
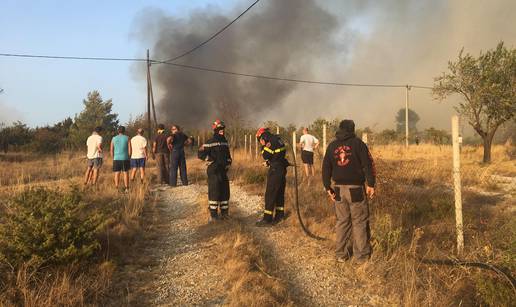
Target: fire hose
[(449, 262), (296, 203)]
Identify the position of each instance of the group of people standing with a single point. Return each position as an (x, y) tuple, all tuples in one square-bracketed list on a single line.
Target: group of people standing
[(348, 174), (130, 156)]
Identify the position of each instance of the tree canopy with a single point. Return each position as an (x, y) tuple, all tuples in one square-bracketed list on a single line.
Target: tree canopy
[(487, 84)]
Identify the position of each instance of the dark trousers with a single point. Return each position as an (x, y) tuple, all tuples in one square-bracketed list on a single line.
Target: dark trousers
[(218, 190), (275, 192), (352, 226), (162, 159), (177, 161)]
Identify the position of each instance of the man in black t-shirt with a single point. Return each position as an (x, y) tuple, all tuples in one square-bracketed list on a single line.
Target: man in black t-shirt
[(161, 154), (176, 144)]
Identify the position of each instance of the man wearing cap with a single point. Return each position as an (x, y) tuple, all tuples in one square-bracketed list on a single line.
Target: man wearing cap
[(349, 163), (273, 152), (216, 152)]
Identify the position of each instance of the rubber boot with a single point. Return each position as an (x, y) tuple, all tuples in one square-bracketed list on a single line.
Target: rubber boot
[(265, 221), (224, 214)]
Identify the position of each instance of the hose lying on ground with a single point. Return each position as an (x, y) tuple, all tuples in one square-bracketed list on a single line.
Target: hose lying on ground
[(296, 202), (486, 266)]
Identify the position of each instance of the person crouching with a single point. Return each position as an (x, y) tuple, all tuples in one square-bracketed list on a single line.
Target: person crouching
[(216, 152)]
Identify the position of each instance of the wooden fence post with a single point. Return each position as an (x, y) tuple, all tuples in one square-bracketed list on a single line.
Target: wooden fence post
[(294, 144), (457, 184), (324, 139)]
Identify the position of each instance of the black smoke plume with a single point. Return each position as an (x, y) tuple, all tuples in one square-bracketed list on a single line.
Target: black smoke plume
[(280, 38)]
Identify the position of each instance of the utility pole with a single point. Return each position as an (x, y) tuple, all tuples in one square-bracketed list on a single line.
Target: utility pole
[(148, 98), (407, 89)]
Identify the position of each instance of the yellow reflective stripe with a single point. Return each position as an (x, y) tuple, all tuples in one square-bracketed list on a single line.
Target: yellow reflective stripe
[(280, 209), (267, 149), (267, 212)]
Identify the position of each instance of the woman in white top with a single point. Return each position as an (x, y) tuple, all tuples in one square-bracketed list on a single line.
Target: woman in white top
[(308, 143)]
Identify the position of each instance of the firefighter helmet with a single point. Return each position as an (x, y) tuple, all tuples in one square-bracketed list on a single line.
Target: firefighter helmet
[(260, 132), (218, 124)]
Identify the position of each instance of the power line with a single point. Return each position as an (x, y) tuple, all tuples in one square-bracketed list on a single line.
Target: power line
[(198, 68), (211, 37), (70, 57), (288, 79)]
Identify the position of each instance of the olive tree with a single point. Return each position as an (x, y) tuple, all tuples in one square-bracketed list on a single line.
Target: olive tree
[(487, 84)]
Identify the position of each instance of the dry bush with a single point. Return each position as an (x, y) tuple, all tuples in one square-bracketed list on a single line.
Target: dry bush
[(83, 283)]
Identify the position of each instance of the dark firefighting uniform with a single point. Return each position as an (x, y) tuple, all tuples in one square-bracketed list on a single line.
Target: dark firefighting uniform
[(216, 152), (274, 153)]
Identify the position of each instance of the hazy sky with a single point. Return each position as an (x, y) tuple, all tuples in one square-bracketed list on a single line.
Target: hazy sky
[(45, 91), (392, 41)]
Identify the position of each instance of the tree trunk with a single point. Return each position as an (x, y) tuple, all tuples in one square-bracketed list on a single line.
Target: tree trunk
[(488, 140)]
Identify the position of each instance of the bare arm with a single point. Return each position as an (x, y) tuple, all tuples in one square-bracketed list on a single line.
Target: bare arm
[(129, 148), (111, 150)]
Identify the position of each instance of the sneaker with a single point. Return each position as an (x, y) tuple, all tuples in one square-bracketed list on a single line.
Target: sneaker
[(264, 223)]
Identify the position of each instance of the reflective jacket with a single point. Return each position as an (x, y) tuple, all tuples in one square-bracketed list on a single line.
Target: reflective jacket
[(216, 151), (274, 151)]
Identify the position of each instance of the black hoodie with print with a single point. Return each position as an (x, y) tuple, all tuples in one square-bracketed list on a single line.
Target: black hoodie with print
[(348, 161)]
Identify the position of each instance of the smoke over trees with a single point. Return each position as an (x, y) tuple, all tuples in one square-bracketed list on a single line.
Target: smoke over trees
[(393, 41)]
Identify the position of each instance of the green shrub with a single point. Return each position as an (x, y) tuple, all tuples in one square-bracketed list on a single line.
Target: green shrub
[(48, 227), (385, 237), (493, 291)]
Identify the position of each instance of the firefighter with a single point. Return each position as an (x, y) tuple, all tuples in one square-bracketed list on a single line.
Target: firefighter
[(216, 152), (273, 152)]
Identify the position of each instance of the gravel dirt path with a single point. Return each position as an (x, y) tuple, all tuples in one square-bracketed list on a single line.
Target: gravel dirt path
[(177, 263)]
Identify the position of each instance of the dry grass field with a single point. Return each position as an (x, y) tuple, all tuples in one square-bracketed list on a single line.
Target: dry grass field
[(34, 282), (412, 218)]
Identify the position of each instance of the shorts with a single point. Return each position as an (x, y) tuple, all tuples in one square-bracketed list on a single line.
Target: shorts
[(138, 163), (95, 162), (307, 157), (121, 165)]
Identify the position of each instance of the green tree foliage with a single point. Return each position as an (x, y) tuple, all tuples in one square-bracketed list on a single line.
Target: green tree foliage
[(52, 139), (133, 124), (413, 118), (97, 112), (487, 84), (387, 136), (47, 227), (436, 136), (18, 134)]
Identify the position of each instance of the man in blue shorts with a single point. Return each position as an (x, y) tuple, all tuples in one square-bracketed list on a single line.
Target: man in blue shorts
[(138, 154), (120, 149)]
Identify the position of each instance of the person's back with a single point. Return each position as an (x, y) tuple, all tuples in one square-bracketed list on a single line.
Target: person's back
[(138, 146), (93, 143), (308, 142), (121, 147), (161, 143), (178, 141)]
